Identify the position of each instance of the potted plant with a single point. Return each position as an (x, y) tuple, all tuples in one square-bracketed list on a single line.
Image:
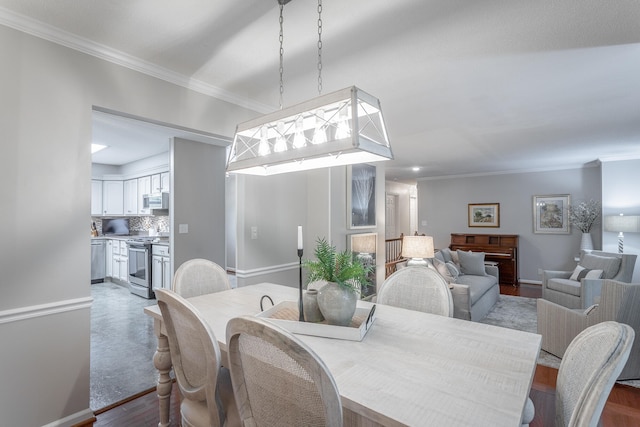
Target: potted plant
[(345, 277)]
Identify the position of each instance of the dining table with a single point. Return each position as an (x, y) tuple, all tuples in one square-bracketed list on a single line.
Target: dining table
[(410, 368)]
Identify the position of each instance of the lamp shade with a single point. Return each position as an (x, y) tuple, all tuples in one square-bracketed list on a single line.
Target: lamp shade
[(417, 247), (622, 223), (340, 128), (364, 244)]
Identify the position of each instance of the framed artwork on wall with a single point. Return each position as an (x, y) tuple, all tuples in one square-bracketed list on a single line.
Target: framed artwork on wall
[(484, 214), (551, 214), (361, 196)]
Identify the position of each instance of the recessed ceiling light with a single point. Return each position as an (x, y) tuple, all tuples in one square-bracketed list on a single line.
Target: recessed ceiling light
[(97, 147), (415, 168)]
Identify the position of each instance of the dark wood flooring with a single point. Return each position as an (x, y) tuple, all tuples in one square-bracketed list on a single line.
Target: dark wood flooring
[(622, 408)]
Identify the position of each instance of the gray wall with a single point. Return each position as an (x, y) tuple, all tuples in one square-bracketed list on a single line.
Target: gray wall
[(48, 92), (198, 197), (443, 204), (621, 194), (314, 199)]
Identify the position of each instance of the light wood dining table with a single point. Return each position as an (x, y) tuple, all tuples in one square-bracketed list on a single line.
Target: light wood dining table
[(411, 368)]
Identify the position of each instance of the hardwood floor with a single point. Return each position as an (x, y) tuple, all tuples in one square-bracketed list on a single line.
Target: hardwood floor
[(621, 410)]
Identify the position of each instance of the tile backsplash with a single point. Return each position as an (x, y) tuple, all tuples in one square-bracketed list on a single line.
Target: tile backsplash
[(140, 224)]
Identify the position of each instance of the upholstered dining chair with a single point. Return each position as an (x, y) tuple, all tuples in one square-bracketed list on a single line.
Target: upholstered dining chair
[(205, 387), (587, 373), (417, 288), (277, 379), (198, 277), (619, 302)]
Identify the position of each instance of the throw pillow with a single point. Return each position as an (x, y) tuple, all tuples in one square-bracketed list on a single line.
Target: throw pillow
[(584, 273), (441, 268), (453, 271), (472, 262)]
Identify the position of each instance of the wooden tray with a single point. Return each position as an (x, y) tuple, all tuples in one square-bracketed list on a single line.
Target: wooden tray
[(285, 315)]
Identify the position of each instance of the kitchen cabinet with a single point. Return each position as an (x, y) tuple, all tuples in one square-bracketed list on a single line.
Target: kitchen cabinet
[(144, 187), (109, 258), (96, 197), (164, 182), (161, 267), (112, 197), (120, 260), (160, 182), (130, 196)]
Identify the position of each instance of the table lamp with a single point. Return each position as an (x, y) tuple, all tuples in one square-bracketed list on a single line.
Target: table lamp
[(364, 246), (622, 224), (417, 248)]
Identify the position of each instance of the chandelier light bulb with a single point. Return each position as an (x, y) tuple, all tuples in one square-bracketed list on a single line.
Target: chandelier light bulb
[(263, 148), (281, 140), (342, 128), (299, 140)]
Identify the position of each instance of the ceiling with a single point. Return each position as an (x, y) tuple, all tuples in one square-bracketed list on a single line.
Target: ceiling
[(466, 87)]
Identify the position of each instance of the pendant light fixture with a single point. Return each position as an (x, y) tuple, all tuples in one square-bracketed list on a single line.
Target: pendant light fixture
[(340, 128)]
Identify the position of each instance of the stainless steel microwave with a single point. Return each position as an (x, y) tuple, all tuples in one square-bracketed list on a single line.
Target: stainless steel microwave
[(155, 201)]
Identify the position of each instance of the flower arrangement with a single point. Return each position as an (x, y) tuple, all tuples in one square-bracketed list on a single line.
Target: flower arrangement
[(584, 215)]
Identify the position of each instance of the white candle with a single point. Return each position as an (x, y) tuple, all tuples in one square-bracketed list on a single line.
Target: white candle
[(299, 237)]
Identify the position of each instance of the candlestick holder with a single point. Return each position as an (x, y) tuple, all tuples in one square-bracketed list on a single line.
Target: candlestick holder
[(300, 307)]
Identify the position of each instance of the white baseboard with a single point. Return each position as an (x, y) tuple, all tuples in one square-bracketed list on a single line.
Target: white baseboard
[(530, 282)]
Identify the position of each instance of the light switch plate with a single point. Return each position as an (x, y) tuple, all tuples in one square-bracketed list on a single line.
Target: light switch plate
[(254, 232), (183, 228)]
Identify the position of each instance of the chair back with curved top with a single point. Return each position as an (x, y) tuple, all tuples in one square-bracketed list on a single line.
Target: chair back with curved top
[(277, 379), (195, 356), (417, 288), (198, 277), (588, 371)]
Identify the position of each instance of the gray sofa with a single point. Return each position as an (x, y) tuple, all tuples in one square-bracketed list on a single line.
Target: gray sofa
[(476, 286), (559, 287)]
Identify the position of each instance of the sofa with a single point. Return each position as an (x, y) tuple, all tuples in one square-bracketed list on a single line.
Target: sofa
[(475, 286), (581, 288)]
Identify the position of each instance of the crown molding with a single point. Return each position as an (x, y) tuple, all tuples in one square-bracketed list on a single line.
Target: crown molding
[(55, 35)]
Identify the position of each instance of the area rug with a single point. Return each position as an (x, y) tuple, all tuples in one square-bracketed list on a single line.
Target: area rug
[(520, 313)]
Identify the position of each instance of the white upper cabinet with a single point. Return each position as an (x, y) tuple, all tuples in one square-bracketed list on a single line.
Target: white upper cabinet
[(112, 197), (164, 182), (144, 187), (131, 197), (156, 183), (96, 197)]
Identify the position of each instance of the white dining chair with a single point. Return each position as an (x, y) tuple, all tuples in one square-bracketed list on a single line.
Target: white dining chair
[(587, 374), (205, 388), (198, 277), (277, 379), (417, 288)]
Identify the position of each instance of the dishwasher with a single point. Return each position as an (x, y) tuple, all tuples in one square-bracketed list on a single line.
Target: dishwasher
[(97, 261)]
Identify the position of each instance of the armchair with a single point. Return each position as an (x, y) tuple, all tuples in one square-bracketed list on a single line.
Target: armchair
[(561, 288), (619, 301)]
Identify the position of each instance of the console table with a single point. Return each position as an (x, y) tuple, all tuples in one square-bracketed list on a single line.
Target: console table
[(499, 248)]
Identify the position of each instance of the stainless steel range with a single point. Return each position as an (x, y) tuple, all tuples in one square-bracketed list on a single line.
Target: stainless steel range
[(140, 266)]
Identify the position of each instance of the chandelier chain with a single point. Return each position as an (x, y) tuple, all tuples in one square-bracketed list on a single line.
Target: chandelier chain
[(281, 56), (319, 47)]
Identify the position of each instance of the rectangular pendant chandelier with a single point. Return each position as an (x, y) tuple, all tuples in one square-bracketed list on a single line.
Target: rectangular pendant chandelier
[(340, 128)]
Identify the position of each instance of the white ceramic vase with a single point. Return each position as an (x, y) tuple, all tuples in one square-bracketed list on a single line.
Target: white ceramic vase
[(337, 304), (586, 244)]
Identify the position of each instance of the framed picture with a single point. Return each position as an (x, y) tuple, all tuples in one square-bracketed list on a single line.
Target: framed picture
[(364, 246), (484, 214), (551, 214), (361, 196)]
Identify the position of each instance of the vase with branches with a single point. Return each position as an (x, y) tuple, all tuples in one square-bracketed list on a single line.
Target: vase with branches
[(584, 216)]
